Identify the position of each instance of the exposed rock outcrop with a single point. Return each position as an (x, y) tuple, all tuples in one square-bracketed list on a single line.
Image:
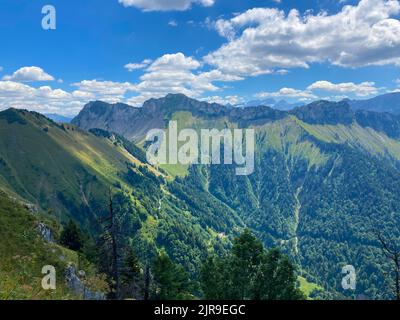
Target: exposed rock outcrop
[(45, 232), (77, 286)]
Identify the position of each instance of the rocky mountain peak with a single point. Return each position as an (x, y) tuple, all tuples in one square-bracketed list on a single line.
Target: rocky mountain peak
[(325, 112)]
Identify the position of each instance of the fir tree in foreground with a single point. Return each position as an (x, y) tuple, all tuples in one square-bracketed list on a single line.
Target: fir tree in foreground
[(72, 237), (249, 272), (171, 282)]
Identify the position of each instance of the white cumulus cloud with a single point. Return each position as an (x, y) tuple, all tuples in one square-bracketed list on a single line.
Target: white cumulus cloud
[(177, 73), (108, 91), (29, 74), (314, 91), (262, 39), (136, 66), (362, 89), (42, 99), (225, 100), (299, 95)]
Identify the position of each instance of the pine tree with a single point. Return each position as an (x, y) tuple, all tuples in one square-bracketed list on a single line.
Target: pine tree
[(72, 237), (247, 253), (249, 272), (170, 280), (276, 279), (131, 274), (211, 279)]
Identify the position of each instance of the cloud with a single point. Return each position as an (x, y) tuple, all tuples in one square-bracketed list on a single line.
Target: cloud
[(341, 91), (361, 90), (226, 100), (170, 73), (176, 61), (42, 99), (262, 39), (176, 73), (165, 5), (29, 74), (19, 90), (299, 95), (282, 71), (108, 91), (173, 23), (136, 66), (48, 100)]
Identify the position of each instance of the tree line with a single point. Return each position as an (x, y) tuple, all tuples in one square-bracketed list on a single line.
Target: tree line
[(248, 271)]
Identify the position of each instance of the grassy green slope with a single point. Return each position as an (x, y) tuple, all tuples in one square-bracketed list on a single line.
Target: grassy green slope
[(57, 167), (367, 139), (297, 139), (23, 254)]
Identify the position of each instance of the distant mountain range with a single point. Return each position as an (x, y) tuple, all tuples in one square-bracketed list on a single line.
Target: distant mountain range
[(134, 123), (279, 105), (58, 118), (384, 103)]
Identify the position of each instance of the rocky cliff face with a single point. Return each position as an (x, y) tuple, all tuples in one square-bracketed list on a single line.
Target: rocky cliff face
[(106, 116), (325, 112)]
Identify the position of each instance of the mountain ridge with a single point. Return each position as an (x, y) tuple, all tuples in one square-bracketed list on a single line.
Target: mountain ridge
[(133, 123), (389, 102)]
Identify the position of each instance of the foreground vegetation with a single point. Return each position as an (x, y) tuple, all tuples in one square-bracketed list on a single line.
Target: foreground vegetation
[(246, 272)]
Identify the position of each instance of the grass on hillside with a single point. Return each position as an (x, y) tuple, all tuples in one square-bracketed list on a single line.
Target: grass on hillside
[(24, 253), (57, 167), (308, 287)]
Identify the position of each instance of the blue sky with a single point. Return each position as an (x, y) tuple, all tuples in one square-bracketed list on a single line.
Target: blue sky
[(228, 51)]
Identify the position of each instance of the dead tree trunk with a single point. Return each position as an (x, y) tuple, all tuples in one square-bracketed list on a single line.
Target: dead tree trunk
[(114, 244), (111, 237)]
